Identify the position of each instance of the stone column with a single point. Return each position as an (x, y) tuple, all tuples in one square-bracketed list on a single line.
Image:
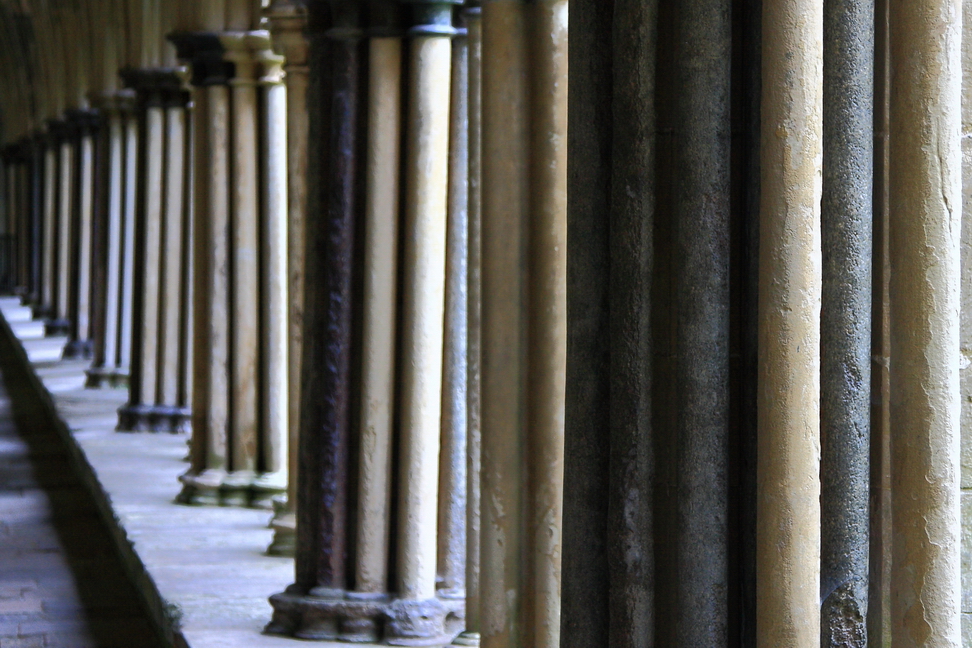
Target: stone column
[(37, 148), (129, 208), (845, 324), (314, 606), (49, 267), (169, 412), (451, 568), (65, 181), (288, 20), (608, 562), (524, 319), (788, 470), (925, 226), (470, 635), (244, 275), (137, 415), (274, 282), (426, 190), (106, 350), (210, 352), (86, 122), (379, 317), (700, 276)]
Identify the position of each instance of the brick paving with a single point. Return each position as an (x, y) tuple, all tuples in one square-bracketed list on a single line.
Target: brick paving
[(61, 583)]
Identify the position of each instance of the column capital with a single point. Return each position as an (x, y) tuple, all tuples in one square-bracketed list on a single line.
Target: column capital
[(288, 23), (58, 130), (85, 121), (432, 17), (204, 51), (154, 86), (238, 50)]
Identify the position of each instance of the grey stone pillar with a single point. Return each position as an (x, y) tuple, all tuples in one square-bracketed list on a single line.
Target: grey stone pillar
[(608, 564), (700, 276), (845, 325)]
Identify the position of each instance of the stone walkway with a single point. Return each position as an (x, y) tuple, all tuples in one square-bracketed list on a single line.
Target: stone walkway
[(61, 582)]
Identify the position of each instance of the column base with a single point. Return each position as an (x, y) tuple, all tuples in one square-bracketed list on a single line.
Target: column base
[(326, 615), (56, 327), (99, 378), (79, 349), (266, 488), (153, 418), (466, 639), (42, 312), (201, 489), (284, 525)]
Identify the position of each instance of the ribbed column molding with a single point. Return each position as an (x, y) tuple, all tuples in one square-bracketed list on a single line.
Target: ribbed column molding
[(288, 22), (107, 304), (608, 562), (274, 277), (788, 470), (377, 597), (210, 264), (156, 88), (845, 320), (86, 125), (925, 227)]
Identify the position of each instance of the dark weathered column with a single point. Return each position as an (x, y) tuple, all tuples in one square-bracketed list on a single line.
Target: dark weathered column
[(49, 265), (788, 469), (845, 324), (65, 177), (126, 323), (313, 607), (925, 226), (608, 566), (700, 274)]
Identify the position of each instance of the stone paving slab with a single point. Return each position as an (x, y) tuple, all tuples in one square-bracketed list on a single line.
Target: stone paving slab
[(203, 568)]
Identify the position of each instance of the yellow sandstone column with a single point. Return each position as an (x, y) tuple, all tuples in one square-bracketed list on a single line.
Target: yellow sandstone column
[(788, 480), (925, 225)]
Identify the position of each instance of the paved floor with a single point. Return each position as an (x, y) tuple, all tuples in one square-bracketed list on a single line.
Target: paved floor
[(61, 582)]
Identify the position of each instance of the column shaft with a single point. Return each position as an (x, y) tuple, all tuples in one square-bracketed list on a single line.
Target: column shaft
[(244, 283), (50, 220), (788, 504), (925, 226), (426, 179), (451, 568), (845, 324), (64, 211), (171, 270), (379, 313), (700, 276), (82, 317), (275, 295), (129, 209)]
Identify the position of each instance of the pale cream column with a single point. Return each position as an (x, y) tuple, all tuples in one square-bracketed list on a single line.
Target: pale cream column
[(245, 278), (65, 209), (288, 20), (150, 234), (426, 174), (925, 234), (113, 277), (788, 479), (129, 209), (274, 345), (171, 297), (379, 318), (85, 221)]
